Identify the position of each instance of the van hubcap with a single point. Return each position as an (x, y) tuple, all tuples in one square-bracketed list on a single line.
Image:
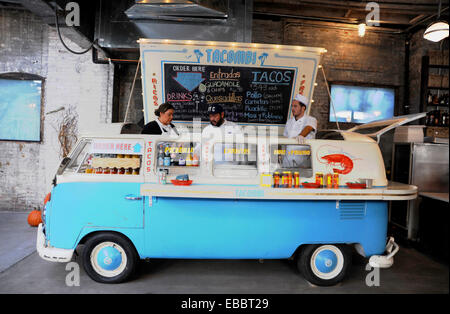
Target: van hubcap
[(108, 259), (327, 262)]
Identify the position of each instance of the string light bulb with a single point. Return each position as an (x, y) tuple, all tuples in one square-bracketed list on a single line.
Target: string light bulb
[(361, 29)]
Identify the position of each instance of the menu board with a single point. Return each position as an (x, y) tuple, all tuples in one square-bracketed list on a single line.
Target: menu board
[(248, 94), (255, 83)]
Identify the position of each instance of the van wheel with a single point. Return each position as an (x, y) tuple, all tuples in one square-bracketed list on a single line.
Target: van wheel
[(109, 258), (324, 264)]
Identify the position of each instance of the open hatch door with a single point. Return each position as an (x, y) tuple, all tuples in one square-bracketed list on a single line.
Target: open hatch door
[(377, 128)]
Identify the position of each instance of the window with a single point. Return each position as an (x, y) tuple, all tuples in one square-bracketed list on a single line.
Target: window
[(20, 109), (106, 157), (78, 156), (286, 157), (235, 160), (175, 154)]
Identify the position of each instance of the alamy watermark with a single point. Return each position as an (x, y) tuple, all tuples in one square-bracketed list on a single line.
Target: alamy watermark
[(373, 277), (73, 277), (73, 17), (373, 17)]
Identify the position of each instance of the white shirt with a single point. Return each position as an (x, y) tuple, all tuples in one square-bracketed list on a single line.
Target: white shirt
[(211, 132), (167, 129), (294, 127), (227, 127)]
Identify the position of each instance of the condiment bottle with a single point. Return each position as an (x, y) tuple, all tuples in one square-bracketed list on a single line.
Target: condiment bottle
[(296, 180), (329, 180), (276, 180), (195, 160), (181, 161), (319, 179), (335, 180), (188, 160), (289, 179)]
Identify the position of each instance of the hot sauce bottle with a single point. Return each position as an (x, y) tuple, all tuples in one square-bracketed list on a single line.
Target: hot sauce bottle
[(289, 180), (335, 180), (319, 179), (296, 179), (276, 180), (329, 180)]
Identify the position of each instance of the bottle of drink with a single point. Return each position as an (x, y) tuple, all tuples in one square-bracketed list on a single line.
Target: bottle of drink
[(160, 155), (428, 119), (195, 160), (188, 161), (442, 100), (437, 118), (431, 120), (160, 159), (181, 161), (173, 156), (429, 98), (445, 117)]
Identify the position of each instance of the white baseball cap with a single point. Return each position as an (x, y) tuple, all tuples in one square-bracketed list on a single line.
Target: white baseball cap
[(301, 99)]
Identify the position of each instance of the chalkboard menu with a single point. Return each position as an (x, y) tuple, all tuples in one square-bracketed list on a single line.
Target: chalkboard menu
[(248, 95)]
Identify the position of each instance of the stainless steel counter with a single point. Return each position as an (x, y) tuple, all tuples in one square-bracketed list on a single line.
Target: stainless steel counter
[(424, 165), (436, 196)]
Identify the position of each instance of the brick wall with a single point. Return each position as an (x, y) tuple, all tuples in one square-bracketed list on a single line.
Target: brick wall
[(23, 48), (420, 47), (29, 46)]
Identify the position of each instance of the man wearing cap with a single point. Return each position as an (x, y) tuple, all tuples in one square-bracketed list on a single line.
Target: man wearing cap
[(218, 124), (300, 126)]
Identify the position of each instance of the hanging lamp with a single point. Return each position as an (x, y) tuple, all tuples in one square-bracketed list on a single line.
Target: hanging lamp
[(437, 30)]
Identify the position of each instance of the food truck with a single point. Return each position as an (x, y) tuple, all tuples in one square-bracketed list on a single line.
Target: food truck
[(255, 195)]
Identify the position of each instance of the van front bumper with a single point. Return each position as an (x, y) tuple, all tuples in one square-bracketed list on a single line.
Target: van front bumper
[(49, 253)]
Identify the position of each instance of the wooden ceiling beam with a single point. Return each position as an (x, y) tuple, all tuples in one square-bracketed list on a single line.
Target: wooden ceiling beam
[(397, 7)]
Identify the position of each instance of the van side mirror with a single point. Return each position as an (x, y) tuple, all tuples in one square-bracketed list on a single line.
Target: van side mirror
[(63, 165)]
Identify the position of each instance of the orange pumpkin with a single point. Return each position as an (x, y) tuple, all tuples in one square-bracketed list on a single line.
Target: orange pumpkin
[(34, 218)]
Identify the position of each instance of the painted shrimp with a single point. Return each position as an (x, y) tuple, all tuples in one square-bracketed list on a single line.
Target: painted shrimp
[(344, 162)]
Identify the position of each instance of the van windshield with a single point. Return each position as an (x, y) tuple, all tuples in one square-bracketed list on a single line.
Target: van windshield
[(78, 155), (378, 128), (287, 157)]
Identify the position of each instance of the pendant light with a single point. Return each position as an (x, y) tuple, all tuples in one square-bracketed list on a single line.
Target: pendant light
[(361, 29), (438, 30)]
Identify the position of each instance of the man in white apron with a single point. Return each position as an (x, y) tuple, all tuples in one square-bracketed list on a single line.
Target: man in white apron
[(301, 125)]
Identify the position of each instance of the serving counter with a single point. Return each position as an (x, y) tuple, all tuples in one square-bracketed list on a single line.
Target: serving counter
[(394, 191)]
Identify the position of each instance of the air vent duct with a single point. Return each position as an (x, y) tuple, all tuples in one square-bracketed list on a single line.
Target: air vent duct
[(121, 23), (179, 10)]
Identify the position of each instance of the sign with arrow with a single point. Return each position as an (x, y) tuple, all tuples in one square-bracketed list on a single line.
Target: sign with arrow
[(188, 80)]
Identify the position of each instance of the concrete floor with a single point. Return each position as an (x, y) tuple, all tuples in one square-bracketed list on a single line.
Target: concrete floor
[(23, 271), (17, 238)]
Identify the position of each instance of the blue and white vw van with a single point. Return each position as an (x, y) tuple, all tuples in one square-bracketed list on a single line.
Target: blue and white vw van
[(117, 195)]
